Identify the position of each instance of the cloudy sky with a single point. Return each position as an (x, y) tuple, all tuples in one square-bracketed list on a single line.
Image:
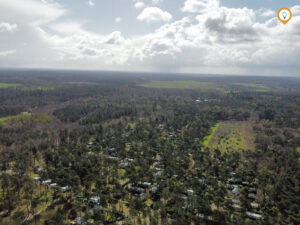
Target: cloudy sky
[(198, 36)]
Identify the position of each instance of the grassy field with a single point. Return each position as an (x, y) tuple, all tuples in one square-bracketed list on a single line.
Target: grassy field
[(207, 86), (25, 118), (254, 87), (210, 134), (232, 136), (6, 85), (38, 88), (16, 117), (187, 84)]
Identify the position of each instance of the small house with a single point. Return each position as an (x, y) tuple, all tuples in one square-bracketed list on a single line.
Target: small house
[(253, 215), (232, 174), (236, 201), (113, 157), (254, 205), (237, 207), (123, 164), (158, 174), (145, 184), (253, 190), (202, 181), (36, 178), (79, 220), (235, 191), (190, 192), (245, 183), (95, 200), (252, 196), (153, 190), (112, 150), (157, 159), (137, 190), (230, 187), (47, 182), (129, 160), (64, 189)]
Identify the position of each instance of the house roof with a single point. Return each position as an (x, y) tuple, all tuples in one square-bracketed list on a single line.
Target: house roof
[(253, 215), (235, 191)]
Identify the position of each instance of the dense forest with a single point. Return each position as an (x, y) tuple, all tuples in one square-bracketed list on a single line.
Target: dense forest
[(125, 148)]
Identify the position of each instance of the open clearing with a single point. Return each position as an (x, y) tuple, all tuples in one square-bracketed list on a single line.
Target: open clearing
[(16, 117), (210, 134), (232, 136), (206, 86), (38, 88), (6, 85), (25, 118), (33, 88), (187, 84), (253, 87)]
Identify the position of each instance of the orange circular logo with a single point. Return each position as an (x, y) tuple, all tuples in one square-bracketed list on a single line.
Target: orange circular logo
[(284, 15)]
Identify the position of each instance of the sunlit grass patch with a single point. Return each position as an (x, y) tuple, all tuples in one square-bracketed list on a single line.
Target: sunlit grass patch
[(25, 118), (38, 88), (210, 133), (7, 85), (21, 116), (226, 88), (232, 136), (254, 87), (186, 84), (231, 91)]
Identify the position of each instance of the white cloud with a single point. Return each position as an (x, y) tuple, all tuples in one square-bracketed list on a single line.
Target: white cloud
[(139, 5), (266, 12), (31, 12), (155, 2), (115, 38), (91, 3), (230, 25), (222, 40), (118, 19), (211, 38), (154, 14), (200, 6), (6, 53), (67, 28), (29, 15), (6, 27), (80, 48)]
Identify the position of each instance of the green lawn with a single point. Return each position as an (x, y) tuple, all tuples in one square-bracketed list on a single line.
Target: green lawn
[(16, 117), (232, 136), (38, 88), (7, 85), (254, 87), (207, 86), (209, 135), (186, 84), (25, 118)]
